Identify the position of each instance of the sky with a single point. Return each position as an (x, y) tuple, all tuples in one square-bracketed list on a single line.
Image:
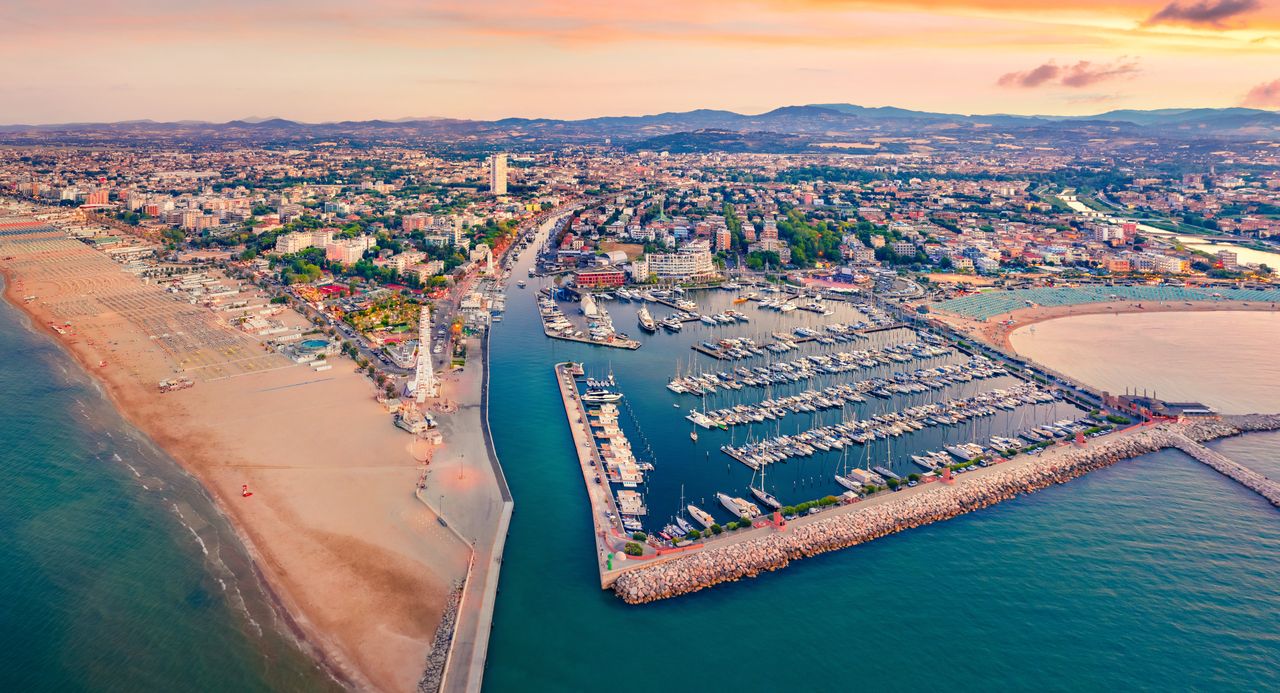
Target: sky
[(324, 60)]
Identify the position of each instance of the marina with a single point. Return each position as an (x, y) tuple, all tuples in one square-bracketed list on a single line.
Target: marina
[(812, 430), (772, 548)]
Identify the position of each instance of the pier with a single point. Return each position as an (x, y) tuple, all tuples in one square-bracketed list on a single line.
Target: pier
[(605, 516), (767, 548), (615, 340)]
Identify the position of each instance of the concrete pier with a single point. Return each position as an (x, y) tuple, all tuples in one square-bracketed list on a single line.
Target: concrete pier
[(604, 511)]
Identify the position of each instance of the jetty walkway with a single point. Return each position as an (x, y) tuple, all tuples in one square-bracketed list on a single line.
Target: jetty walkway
[(769, 548)]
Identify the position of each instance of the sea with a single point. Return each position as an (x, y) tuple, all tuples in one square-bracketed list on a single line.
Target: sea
[(118, 573), (1156, 573)]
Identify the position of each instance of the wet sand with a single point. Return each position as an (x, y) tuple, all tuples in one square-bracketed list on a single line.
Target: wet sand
[(361, 567), (994, 332)]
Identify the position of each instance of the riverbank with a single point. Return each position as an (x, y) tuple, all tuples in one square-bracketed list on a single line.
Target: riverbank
[(997, 333), (361, 570), (863, 522)]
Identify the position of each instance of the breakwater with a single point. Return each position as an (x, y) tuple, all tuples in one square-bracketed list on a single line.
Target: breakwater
[(438, 659), (855, 524)]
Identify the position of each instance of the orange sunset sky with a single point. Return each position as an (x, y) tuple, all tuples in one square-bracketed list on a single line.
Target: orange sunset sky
[(314, 60)]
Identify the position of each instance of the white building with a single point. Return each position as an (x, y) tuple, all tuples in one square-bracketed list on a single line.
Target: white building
[(692, 260), (300, 240), (498, 174)]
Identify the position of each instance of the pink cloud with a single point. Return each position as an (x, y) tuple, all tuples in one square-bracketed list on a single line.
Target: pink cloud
[(1265, 95), (1083, 73)]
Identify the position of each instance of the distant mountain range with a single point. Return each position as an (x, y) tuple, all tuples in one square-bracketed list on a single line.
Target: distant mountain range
[(790, 128)]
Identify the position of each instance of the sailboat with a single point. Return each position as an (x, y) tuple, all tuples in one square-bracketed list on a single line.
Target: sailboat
[(843, 477), (762, 495)]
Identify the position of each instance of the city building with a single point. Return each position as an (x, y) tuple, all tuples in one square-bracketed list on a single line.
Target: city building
[(498, 174), (690, 261)]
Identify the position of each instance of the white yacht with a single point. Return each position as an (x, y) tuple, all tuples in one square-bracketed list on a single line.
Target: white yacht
[(600, 395), (646, 320), (703, 517), (742, 508)]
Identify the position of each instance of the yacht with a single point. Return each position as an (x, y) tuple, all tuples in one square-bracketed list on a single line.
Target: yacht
[(848, 483), (646, 320), (521, 283), (742, 508), (600, 395), (672, 325), (765, 497), (703, 517)]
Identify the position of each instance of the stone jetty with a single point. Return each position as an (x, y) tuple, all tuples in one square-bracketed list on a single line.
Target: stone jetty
[(851, 525), (1263, 486)]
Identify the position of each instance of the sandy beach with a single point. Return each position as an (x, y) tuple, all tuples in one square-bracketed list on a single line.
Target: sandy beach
[(361, 567), (995, 332)]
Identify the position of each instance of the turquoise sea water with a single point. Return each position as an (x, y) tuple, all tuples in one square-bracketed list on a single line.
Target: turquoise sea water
[(117, 573), (1156, 573)]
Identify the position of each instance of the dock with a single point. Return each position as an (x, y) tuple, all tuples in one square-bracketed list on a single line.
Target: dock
[(610, 537), (721, 354), (616, 341)]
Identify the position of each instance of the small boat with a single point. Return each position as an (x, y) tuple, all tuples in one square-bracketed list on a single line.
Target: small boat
[(521, 283)]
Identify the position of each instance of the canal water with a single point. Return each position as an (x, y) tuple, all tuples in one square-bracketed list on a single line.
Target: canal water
[(1154, 573)]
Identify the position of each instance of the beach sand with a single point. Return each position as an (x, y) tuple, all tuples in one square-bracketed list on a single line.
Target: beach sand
[(358, 563), (996, 333)]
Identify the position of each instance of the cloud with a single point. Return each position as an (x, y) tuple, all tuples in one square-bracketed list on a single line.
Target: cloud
[(1081, 74), (1265, 95), (1206, 13)]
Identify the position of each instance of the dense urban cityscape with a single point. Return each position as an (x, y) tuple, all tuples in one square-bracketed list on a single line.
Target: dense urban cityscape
[(981, 395)]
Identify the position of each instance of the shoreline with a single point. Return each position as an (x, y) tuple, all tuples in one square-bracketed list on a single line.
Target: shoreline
[(312, 645), (994, 333), (355, 568)]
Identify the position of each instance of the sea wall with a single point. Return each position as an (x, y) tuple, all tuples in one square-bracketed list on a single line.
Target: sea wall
[(853, 525)]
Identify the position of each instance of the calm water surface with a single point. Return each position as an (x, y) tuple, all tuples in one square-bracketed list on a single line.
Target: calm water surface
[(118, 574), (1153, 574)]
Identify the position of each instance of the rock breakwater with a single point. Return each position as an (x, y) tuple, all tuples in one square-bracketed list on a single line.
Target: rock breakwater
[(438, 658), (856, 524)]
